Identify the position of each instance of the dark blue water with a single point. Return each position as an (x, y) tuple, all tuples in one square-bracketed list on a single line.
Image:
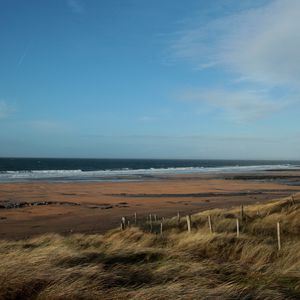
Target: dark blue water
[(24, 169), (29, 164)]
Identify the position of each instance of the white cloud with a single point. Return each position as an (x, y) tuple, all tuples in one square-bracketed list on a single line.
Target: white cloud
[(5, 110), (193, 137), (45, 125), (258, 44), (76, 6), (257, 47), (146, 119), (238, 105)]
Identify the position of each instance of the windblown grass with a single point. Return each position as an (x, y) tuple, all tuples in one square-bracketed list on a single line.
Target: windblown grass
[(133, 264)]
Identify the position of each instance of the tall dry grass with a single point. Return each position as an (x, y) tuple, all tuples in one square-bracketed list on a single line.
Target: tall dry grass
[(133, 264)]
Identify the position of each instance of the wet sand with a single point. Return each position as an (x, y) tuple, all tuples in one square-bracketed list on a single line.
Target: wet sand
[(33, 208)]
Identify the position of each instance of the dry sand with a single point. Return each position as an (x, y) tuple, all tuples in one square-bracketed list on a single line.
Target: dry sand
[(98, 206)]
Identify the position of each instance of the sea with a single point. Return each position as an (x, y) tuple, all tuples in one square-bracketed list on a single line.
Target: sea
[(77, 169)]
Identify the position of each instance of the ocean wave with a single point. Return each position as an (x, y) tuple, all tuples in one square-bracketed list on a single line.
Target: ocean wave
[(79, 174)]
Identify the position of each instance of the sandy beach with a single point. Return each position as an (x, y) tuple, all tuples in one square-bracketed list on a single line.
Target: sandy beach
[(33, 208)]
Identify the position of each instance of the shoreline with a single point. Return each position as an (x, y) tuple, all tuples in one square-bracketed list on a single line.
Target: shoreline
[(127, 175)]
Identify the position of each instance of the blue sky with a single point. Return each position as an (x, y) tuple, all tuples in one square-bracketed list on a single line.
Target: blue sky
[(150, 79)]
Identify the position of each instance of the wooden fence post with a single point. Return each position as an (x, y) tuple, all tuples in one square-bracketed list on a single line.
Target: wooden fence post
[(150, 220), (161, 228), (178, 217), (188, 220), (293, 200), (242, 212), (123, 222), (135, 217), (237, 227), (209, 224), (155, 218), (278, 236)]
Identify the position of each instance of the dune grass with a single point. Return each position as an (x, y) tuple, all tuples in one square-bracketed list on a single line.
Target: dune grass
[(134, 264)]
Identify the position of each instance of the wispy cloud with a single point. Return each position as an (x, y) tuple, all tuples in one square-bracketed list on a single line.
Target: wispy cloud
[(146, 119), (46, 125), (257, 47), (239, 105), (76, 6), (189, 137), (259, 44), (5, 110)]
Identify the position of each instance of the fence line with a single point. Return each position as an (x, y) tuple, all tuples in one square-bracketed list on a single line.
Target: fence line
[(159, 226)]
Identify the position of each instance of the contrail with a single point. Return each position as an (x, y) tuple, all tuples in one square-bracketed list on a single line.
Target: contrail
[(21, 59)]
